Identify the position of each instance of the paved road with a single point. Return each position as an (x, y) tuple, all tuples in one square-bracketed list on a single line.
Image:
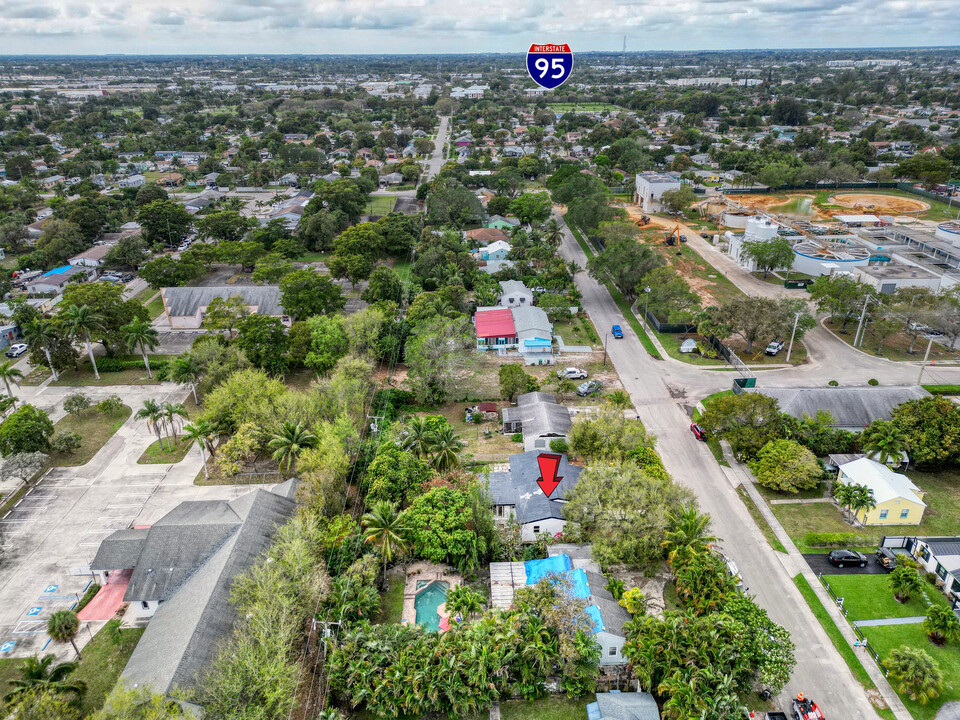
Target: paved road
[(656, 390), (437, 160)]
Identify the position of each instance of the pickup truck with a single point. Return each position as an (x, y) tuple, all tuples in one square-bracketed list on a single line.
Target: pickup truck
[(617, 332)]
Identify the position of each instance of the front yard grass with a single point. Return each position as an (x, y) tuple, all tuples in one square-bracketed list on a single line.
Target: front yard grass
[(548, 708), (869, 597), (94, 428), (895, 347), (942, 516), (84, 376), (761, 521), (158, 453), (155, 307), (380, 204), (887, 637), (102, 661)]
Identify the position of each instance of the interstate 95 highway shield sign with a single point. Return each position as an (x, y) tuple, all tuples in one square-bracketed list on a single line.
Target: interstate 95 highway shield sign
[(549, 65)]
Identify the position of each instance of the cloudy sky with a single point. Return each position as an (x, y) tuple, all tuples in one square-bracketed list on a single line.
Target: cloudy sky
[(426, 26)]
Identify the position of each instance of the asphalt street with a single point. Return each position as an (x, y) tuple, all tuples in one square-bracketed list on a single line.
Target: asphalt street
[(440, 144), (657, 389)]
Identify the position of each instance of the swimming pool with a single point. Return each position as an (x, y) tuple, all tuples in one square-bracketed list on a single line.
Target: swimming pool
[(427, 601)]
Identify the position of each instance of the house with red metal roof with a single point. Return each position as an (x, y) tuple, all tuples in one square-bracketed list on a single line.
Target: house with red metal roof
[(525, 329)]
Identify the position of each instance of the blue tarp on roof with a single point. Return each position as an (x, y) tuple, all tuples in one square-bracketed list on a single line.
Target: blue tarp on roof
[(594, 612), (579, 587), (538, 569), (593, 711), (57, 271)]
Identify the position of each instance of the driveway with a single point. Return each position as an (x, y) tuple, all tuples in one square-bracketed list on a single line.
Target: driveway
[(820, 564), (658, 390), (49, 538), (437, 160)]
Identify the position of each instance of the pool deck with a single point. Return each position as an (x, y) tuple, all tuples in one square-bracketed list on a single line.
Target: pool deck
[(428, 571)]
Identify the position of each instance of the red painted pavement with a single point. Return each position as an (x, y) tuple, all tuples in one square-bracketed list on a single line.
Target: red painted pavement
[(109, 599)]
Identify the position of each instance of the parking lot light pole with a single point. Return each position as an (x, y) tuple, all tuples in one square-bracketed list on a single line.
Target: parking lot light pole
[(796, 318)]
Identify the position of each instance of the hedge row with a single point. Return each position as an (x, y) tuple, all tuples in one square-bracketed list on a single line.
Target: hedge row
[(109, 364), (835, 539)]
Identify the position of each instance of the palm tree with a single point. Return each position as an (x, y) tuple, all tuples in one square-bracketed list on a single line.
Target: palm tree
[(861, 499), (142, 333), (63, 626), (42, 333), (201, 432), (464, 602), (619, 399), (941, 625), (173, 413), (290, 441), (9, 374), (688, 534), (553, 233), (883, 440), (186, 369), (81, 322), (914, 673), (43, 675), (152, 412), (843, 494), (445, 447), (384, 528), (903, 581), (417, 437)]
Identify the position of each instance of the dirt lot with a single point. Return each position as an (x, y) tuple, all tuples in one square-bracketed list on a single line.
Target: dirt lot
[(879, 204)]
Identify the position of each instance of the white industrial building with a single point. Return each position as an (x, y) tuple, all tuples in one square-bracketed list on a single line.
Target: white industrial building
[(650, 187), (890, 277), (756, 227)]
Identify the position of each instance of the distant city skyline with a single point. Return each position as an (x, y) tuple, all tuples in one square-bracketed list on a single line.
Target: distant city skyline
[(458, 26)]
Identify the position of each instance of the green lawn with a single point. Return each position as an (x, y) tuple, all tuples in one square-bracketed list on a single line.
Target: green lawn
[(145, 294), (159, 454), (671, 343), (311, 257), (84, 376), (894, 347), (836, 637), (761, 521), (402, 268), (9, 670), (391, 601), (942, 516), (155, 307), (887, 637), (380, 205), (102, 661), (868, 597), (549, 708), (95, 429)]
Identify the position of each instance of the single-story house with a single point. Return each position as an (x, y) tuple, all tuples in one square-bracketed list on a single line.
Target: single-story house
[(170, 179), (616, 705), (500, 222), (585, 582), (91, 257), (539, 418), (852, 408), (494, 251), (940, 555), (485, 236), (523, 328), (185, 307), (393, 178), (898, 500), (134, 181), (53, 281), (492, 267), (514, 293), (181, 571)]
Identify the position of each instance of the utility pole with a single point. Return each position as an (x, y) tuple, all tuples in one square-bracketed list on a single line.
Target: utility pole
[(924, 363), (646, 298), (863, 314), (605, 338), (796, 318)]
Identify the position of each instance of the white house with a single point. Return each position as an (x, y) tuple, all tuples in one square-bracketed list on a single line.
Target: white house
[(650, 187), (134, 181), (91, 257)]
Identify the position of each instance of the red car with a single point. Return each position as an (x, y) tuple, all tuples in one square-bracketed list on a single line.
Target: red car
[(698, 432)]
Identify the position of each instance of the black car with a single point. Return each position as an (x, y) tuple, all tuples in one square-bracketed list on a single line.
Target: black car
[(847, 557)]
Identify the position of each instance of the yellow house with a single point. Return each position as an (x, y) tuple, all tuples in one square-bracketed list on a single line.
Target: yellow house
[(898, 500)]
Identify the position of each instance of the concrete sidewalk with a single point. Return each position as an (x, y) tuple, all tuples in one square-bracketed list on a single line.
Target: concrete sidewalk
[(891, 621)]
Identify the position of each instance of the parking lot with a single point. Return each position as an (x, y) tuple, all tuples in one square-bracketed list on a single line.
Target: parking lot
[(49, 538)]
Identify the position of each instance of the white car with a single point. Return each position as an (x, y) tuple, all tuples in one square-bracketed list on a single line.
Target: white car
[(16, 351), (572, 373)]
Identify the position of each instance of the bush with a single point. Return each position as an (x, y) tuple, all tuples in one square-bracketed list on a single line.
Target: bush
[(559, 446), (65, 442), (873, 382), (26, 430), (76, 403), (833, 383), (110, 404), (787, 466), (517, 437), (834, 539)]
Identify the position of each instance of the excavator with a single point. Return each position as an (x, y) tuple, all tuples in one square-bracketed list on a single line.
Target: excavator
[(674, 236)]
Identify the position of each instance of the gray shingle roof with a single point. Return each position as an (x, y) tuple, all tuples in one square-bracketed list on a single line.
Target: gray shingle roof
[(851, 407), (541, 415), (184, 634), (185, 301), (531, 321), (627, 706), (519, 488), (120, 550)]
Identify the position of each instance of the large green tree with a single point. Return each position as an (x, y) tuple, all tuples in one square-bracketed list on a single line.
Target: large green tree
[(438, 352), (164, 221), (305, 293), (931, 430), (787, 466)]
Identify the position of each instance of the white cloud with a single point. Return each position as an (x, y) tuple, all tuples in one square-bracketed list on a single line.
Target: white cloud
[(428, 26)]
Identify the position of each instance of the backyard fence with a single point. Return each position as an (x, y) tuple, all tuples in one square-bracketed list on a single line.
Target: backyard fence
[(861, 638), (669, 328), (818, 186)]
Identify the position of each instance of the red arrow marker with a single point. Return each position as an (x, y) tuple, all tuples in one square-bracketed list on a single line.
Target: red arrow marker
[(548, 480)]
